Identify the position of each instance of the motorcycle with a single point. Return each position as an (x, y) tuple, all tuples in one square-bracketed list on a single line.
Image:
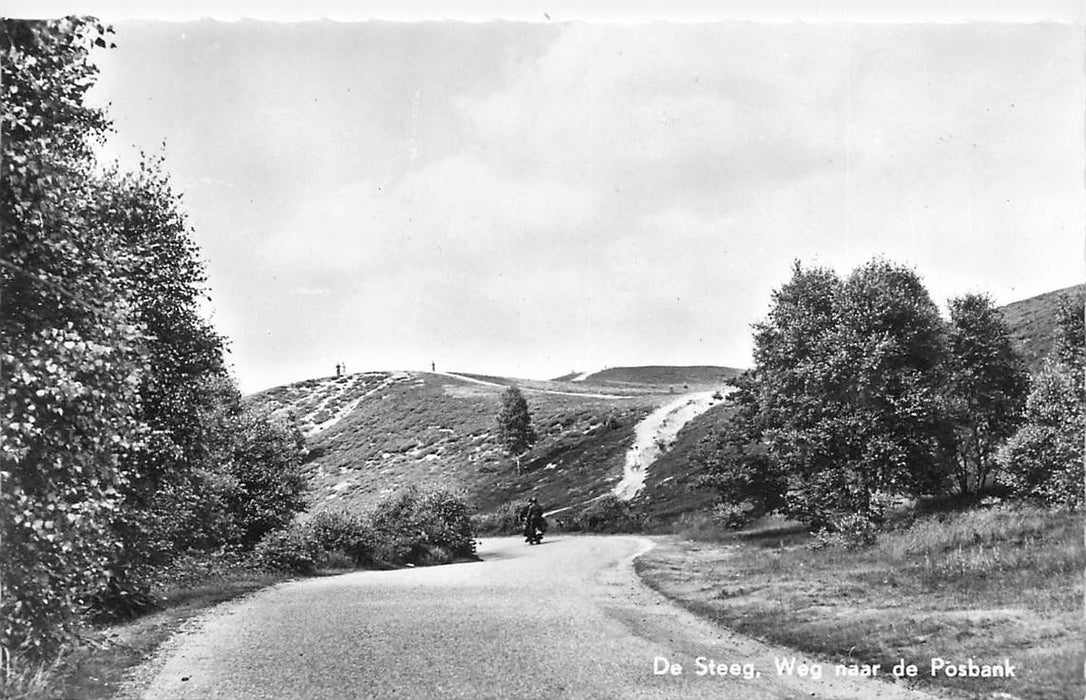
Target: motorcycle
[(533, 531)]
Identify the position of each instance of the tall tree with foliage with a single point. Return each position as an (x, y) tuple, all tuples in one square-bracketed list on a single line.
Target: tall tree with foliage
[(124, 440), (1044, 459), (70, 354), (515, 431), (986, 388), (165, 501), (846, 384)]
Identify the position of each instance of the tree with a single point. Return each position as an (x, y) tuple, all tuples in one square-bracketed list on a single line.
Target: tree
[(70, 355), (846, 384), (172, 497), (515, 432), (124, 440), (1043, 460), (986, 387)]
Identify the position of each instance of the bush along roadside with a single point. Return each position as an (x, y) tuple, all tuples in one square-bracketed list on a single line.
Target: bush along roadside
[(408, 528), (609, 515)]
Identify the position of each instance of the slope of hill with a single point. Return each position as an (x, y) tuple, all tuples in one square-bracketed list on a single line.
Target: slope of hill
[(1033, 323), (371, 433), (673, 378)]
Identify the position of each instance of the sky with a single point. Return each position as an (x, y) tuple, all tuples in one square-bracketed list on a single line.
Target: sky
[(531, 198)]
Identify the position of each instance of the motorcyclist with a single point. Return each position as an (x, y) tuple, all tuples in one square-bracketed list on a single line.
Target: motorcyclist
[(532, 514)]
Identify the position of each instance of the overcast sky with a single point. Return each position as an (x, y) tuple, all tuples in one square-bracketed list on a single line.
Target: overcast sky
[(532, 198)]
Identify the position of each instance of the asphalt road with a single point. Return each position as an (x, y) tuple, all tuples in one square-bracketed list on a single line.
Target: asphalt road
[(566, 619)]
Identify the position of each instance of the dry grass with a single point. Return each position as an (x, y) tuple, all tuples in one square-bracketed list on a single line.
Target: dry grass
[(983, 584)]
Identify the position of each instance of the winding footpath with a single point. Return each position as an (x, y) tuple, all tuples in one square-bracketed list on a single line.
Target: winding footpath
[(567, 619)]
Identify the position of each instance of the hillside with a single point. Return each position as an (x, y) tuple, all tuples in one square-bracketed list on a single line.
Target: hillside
[(670, 378), (1033, 323), (371, 433)]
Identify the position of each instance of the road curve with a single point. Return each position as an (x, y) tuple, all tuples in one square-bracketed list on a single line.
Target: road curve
[(567, 619)]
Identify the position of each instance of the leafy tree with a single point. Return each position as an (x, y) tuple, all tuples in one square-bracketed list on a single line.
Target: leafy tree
[(174, 498), (70, 355), (1044, 458), (846, 391), (888, 360), (515, 432), (986, 387)]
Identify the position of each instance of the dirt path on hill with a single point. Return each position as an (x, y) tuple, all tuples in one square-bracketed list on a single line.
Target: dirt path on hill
[(657, 433), (568, 619)]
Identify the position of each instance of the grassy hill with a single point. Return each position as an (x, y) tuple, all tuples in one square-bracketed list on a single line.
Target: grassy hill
[(371, 433), (673, 378), (1033, 323)]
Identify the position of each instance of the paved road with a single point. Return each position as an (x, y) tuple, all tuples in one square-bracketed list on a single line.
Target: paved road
[(567, 619)]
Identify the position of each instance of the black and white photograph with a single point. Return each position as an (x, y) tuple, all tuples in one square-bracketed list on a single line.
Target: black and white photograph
[(542, 350)]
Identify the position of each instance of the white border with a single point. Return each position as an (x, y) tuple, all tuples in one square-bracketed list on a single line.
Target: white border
[(862, 11)]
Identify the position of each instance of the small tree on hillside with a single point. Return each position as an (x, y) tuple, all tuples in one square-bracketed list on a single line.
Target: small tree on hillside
[(515, 432), (986, 387)]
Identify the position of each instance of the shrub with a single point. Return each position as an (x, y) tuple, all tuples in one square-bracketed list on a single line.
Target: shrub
[(850, 531), (735, 515), (408, 527), (343, 538), (267, 457), (1043, 460), (609, 514), (291, 549), (409, 524), (504, 521)]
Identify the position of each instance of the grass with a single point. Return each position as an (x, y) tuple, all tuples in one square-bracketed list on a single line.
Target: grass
[(982, 584)]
